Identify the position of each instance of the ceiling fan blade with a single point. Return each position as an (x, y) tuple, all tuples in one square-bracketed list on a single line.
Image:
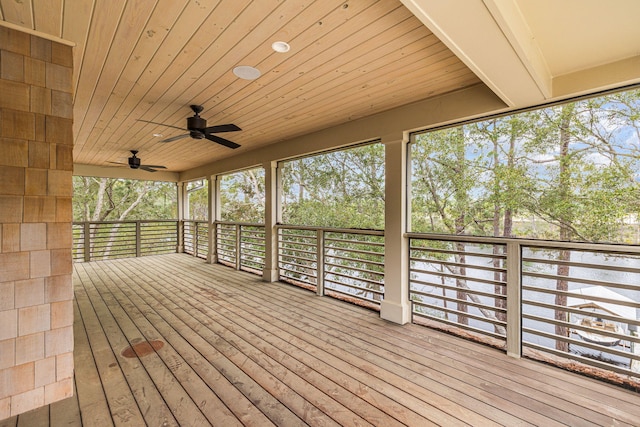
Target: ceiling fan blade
[(222, 141), (222, 128), (175, 138), (118, 163), (153, 166), (160, 124), (146, 168)]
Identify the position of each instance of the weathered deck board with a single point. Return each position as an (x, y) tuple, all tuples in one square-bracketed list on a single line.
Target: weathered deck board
[(66, 412), (482, 385), (122, 378), (281, 364), (346, 366), (238, 351)]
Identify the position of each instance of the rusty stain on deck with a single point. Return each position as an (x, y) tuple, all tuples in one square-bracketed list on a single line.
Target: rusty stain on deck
[(142, 348)]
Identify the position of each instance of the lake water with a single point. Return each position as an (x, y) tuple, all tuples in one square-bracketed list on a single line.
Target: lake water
[(590, 272)]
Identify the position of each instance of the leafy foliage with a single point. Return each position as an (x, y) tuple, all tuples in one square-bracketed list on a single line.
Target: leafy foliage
[(109, 199), (573, 169), (242, 196), (570, 168), (342, 189)]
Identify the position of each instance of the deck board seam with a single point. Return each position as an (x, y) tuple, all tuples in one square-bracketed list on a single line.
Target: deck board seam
[(588, 409), (517, 364), (425, 401), (151, 331), (201, 320), (81, 294), (203, 340)]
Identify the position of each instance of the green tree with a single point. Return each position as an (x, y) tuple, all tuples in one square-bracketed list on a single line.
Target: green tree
[(110, 199), (338, 189), (573, 167), (198, 199), (507, 186), (589, 184), (242, 195), (446, 173)]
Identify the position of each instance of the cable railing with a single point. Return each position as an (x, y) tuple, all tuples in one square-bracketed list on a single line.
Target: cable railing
[(582, 302), (252, 247), (571, 304), (559, 302), (195, 235), (343, 263), (459, 284), (100, 240), (240, 245)]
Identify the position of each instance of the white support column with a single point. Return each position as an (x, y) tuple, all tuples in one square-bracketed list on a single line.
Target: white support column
[(182, 194), (213, 206), (395, 306), (272, 216)]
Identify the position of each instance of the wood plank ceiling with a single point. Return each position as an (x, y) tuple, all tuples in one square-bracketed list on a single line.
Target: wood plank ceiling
[(151, 59)]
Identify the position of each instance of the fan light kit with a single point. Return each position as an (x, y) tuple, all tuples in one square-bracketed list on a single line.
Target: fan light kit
[(246, 72), (281, 47)]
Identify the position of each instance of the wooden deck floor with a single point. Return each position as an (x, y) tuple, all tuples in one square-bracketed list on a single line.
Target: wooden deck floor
[(238, 351)]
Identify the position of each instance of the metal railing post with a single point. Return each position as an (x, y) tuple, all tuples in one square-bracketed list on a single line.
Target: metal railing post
[(514, 299), (180, 236), (213, 242), (278, 233), (87, 241), (320, 262), (196, 226), (238, 246), (138, 239)]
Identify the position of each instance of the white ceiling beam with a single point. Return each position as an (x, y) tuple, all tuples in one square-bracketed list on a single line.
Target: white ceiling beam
[(497, 48), (514, 26), (616, 74)]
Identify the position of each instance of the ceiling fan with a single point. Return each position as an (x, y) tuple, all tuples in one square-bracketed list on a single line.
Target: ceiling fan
[(197, 128), (134, 163)]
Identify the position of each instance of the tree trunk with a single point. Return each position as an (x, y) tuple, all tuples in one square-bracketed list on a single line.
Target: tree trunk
[(565, 231), (507, 229), (498, 289), (461, 206), (114, 229), (461, 283)]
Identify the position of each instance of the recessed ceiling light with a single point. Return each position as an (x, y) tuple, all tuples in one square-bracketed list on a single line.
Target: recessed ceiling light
[(246, 72), (281, 47)]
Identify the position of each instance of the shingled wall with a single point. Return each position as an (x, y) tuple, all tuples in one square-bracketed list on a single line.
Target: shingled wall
[(36, 164)]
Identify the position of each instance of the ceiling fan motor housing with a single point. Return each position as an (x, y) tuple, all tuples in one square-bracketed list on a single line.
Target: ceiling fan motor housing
[(196, 123), (134, 162)]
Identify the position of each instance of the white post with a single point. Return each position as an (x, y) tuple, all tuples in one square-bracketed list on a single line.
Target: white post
[(272, 216), (395, 306)]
